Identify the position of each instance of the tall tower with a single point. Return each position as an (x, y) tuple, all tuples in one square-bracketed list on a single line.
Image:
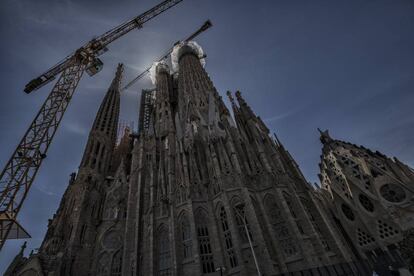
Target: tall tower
[(373, 196), (70, 239), (208, 194)]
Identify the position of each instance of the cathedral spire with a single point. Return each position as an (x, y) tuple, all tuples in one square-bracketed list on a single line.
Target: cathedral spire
[(244, 107), (102, 137), (325, 137), (247, 113), (234, 105), (109, 109), (230, 96)]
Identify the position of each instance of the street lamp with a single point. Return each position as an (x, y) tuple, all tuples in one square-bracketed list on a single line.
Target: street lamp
[(243, 217)]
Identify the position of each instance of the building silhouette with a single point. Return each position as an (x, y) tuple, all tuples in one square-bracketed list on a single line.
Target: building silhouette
[(196, 191)]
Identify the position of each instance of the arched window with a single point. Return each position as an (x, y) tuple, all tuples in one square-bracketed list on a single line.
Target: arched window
[(280, 227), (310, 210), (289, 203), (164, 253), (316, 221), (291, 207), (309, 207), (164, 208), (186, 239), (178, 197), (273, 210), (242, 222), (116, 266), (227, 238), (206, 254), (181, 196), (83, 233), (102, 265), (215, 185), (111, 212)]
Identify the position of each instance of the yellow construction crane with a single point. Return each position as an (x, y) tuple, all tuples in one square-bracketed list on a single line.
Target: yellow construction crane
[(21, 169)]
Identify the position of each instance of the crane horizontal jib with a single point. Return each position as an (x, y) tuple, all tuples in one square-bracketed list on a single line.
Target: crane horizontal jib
[(87, 54)]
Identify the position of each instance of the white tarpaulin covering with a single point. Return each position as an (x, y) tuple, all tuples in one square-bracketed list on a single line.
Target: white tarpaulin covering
[(192, 44), (153, 70)]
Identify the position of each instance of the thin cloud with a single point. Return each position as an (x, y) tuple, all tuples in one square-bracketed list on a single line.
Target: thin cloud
[(45, 190), (282, 116), (76, 128)]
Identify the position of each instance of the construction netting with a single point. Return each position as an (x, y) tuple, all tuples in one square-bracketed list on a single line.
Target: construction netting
[(153, 69), (174, 59), (192, 44)]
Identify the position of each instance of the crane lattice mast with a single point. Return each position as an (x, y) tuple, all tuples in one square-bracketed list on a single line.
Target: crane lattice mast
[(21, 169)]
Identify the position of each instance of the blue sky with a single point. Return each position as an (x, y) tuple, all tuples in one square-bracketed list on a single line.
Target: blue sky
[(342, 65)]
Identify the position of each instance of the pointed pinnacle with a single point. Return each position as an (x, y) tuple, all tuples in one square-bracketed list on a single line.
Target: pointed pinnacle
[(325, 137), (230, 96), (239, 97), (116, 82), (277, 139)]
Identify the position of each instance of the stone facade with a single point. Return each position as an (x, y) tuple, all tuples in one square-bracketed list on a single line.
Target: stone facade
[(209, 194), (373, 198), (196, 192)]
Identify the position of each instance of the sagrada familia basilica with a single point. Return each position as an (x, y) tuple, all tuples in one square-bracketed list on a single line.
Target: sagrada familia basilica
[(204, 190)]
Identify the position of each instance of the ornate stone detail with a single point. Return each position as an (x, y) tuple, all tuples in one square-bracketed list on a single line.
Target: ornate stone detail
[(111, 240), (393, 193)]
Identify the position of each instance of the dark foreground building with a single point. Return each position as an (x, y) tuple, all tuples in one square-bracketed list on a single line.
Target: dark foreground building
[(372, 198), (196, 192)]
